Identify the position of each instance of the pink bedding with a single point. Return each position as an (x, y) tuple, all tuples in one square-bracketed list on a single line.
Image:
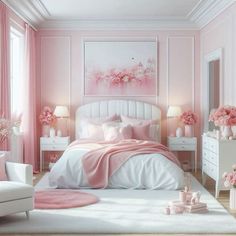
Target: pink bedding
[(107, 157)]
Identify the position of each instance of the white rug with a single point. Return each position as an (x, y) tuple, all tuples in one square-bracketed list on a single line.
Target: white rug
[(123, 211)]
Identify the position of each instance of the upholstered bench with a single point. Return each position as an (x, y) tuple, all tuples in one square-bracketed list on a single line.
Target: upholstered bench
[(16, 194)]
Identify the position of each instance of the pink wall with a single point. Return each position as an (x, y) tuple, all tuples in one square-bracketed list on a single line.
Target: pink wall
[(221, 33), (60, 64)]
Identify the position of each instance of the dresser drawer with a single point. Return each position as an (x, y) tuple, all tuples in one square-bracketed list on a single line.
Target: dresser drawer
[(210, 169), (210, 144), (53, 147), (206, 154), (182, 147)]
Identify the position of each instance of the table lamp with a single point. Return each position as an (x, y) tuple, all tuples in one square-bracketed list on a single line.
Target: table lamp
[(173, 112), (62, 113)]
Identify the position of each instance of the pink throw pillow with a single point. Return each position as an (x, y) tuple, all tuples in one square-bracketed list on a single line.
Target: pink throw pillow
[(3, 174), (117, 132), (141, 132)]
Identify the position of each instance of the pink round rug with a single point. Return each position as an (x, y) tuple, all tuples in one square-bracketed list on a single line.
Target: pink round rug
[(62, 198)]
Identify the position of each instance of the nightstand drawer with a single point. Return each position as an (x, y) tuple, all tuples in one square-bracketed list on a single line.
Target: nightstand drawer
[(183, 140), (52, 147), (55, 140), (182, 147)]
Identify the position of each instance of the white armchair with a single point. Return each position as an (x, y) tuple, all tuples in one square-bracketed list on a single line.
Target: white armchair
[(16, 194)]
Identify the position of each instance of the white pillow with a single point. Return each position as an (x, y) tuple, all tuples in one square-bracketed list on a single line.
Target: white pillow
[(87, 127), (115, 131)]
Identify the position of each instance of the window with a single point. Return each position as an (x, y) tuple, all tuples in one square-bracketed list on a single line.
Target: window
[(16, 70)]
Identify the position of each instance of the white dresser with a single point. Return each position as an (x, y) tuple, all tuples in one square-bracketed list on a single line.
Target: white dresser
[(218, 156)]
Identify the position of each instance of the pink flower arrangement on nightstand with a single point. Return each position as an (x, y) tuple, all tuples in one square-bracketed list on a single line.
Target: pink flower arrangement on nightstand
[(47, 117), (224, 116), (230, 178), (188, 118)]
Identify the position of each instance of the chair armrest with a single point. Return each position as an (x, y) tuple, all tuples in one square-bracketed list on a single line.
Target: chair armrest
[(20, 172)]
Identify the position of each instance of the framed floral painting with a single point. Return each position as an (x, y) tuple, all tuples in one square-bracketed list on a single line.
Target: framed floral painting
[(120, 68)]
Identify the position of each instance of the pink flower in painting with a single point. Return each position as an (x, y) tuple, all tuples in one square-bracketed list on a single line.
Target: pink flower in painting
[(47, 117), (117, 79), (225, 115), (188, 118)]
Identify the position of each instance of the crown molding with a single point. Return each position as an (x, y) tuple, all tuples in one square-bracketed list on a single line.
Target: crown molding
[(36, 14), (206, 11), (118, 25), (32, 11)]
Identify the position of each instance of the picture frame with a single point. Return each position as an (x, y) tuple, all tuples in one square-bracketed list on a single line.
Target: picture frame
[(120, 67)]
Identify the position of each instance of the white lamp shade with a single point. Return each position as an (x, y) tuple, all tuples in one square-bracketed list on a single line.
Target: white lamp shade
[(174, 111), (61, 111)]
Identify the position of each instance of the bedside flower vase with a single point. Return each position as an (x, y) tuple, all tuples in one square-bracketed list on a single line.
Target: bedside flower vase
[(45, 130), (227, 132), (232, 199), (188, 131)]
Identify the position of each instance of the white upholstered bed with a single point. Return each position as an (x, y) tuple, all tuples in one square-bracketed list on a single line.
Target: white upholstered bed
[(143, 171)]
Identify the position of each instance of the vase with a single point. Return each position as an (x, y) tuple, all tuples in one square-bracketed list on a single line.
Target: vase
[(188, 131), (45, 130), (232, 199), (227, 132), (179, 132), (52, 132)]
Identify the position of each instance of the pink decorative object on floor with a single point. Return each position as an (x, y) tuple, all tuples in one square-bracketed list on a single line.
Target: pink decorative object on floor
[(63, 198), (188, 202)]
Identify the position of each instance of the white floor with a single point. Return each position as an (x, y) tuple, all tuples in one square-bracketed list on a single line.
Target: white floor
[(124, 211)]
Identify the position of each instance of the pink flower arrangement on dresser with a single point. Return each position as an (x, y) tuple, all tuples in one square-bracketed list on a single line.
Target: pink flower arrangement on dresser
[(230, 178), (188, 118), (224, 116), (47, 117)]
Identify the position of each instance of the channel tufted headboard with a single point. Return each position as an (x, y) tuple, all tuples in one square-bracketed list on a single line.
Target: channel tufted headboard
[(132, 108)]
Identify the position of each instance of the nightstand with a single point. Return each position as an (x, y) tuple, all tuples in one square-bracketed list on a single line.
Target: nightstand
[(184, 144), (52, 144)]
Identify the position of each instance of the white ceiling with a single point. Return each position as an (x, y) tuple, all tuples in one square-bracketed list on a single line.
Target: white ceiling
[(119, 9), (118, 14)]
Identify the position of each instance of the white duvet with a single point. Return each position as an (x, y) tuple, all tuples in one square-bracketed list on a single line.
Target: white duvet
[(146, 171)]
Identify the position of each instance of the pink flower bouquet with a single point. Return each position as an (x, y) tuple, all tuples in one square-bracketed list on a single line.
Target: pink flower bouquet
[(189, 118), (230, 178), (47, 117), (224, 116)]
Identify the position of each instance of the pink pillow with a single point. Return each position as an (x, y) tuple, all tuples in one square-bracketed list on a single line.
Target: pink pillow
[(153, 126), (116, 132), (3, 174), (141, 132)]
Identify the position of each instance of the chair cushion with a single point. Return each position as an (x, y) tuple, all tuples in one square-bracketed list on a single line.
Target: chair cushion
[(10, 190)]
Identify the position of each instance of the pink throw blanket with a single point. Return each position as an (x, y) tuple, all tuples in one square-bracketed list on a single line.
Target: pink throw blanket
[(106, 158)]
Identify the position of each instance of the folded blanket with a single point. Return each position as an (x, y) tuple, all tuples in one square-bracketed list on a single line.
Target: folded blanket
[(106, 158)]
